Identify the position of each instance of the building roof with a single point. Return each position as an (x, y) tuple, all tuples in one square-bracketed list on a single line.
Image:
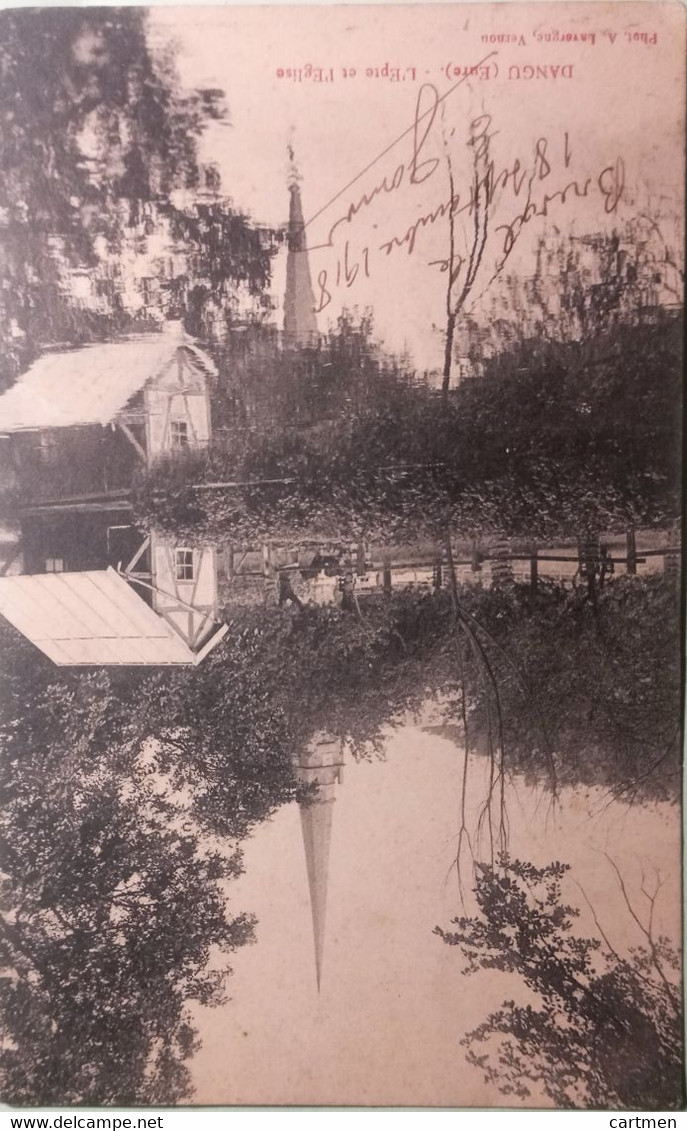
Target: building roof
[(92, 384), (93, 618)]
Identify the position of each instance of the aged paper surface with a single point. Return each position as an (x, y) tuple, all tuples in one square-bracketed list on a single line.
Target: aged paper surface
[(340, 401)]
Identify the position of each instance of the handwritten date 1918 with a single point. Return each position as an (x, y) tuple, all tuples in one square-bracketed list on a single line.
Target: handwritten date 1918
[(514, 193)]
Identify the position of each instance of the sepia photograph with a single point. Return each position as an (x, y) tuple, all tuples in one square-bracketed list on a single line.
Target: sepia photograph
[(341, 403)]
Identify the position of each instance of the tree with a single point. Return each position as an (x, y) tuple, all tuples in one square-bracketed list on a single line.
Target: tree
[(581, 289), (99, 153), (461, 275), (351, 673), (563, 438), (556, 440), (114, 894), (583, 684), (604, 1030), (263, 386), (220, 734), (598, 694), (227, 268)]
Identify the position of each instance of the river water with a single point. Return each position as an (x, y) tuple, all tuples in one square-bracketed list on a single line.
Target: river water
[(386, 1024)]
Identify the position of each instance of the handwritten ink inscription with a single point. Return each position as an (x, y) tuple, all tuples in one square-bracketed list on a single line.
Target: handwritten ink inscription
[(535, 185)]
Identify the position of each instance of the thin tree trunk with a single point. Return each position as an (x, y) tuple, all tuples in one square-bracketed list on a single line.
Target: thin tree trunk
[(448, 355)]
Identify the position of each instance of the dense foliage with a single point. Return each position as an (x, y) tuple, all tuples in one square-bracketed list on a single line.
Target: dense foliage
[(597, 1029), (554, 439), (595, 688), (265, 385), (97, 136), (127, 792), (119, 835)]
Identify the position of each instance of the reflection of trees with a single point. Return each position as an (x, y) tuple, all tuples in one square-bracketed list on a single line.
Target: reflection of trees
[(597, 1029), (564, 692), (127, 792), (605, 682), (124, 796)]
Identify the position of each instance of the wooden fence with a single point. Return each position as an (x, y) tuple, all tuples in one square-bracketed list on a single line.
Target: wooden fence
[(282, 569)]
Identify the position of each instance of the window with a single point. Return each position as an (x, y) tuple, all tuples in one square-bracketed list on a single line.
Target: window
[(183, 562), (179, 433), (48, 447), (54, 565)]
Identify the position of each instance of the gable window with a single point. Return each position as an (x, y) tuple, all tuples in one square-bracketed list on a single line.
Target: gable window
[(183, 564), (179, 430), (54, 565), (48, 447)]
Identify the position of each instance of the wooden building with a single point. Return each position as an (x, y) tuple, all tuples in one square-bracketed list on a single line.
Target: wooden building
[(76, 426), (80, 421)]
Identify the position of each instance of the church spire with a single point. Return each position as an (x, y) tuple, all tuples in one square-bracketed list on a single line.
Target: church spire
[(300, 324), (322, 763)]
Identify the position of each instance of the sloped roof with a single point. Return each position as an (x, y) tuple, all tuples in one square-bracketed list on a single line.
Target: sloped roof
[(92, 618), (89, 385)]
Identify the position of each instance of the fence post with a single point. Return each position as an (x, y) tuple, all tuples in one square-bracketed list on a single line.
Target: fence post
[(347, 580), (229, 561), (386, 572), (672, 569), (437, 571), (590, 564), (501, 565), (534, 568), (476, 557), (631, 550), (269, 579)]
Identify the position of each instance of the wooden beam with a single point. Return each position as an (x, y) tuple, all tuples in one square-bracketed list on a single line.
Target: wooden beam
[(631, 550), (133, 441), (386, 571), (438, 566), (94, 496), (145, 544), (114, 505), (534, 570)]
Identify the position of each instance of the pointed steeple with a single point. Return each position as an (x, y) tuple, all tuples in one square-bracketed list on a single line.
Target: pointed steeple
[(322, 763), (300, 323), (316, 824)]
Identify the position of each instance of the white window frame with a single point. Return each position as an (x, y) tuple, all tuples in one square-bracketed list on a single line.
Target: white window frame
[(179, 435), (184, 564)]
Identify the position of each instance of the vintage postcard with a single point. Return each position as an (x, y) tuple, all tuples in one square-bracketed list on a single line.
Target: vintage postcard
[(340, 555)]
